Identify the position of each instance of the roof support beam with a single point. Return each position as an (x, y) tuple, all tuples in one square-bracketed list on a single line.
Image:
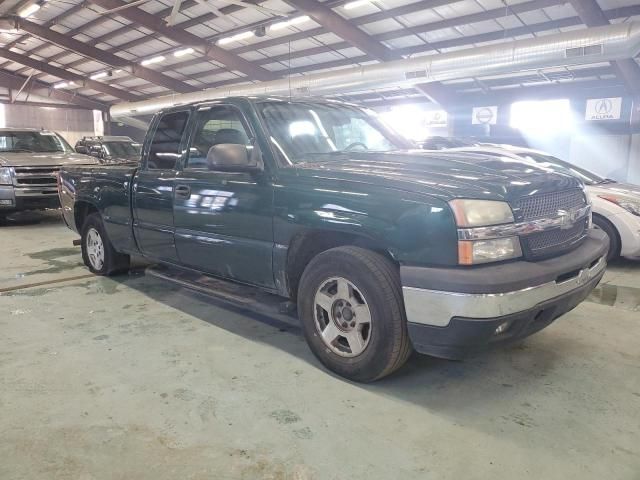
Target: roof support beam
[(184, 38), (42, 89), (333, 22), (592, 16), (342, 28), (66, 75), (103, 57)]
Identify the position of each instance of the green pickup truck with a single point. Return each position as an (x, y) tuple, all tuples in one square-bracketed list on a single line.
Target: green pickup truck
[(383, 249)]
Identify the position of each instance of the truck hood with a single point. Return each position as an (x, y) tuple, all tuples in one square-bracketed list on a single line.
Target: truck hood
[(441, 174), (35, 159)]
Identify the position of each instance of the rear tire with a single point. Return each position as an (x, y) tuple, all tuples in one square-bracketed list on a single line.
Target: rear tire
[(352, 313), (98, 253), (614, 239)]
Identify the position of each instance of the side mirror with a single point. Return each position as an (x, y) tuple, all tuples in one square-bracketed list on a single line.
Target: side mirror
[(233, 157), (81, 149)]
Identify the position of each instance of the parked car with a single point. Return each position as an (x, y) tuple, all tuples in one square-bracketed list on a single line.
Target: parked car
[(616, 206), (110, 149), (29, 164), (383, 249)]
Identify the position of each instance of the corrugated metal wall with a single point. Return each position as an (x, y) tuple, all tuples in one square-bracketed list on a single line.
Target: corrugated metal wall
[(72, 124)]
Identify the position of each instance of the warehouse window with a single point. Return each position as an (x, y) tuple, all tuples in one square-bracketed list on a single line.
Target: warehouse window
[(543, 115)]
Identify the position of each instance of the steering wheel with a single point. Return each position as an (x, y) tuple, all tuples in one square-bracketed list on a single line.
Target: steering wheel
[(356, 144)]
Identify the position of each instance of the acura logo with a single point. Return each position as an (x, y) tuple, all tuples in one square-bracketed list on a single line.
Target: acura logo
[(604, 107)]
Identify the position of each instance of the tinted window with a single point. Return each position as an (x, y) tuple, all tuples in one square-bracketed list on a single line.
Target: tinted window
[(214, 126), (164, 151)]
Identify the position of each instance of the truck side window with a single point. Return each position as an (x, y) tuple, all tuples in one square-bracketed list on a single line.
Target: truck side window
[(165, 146), (215, 125)]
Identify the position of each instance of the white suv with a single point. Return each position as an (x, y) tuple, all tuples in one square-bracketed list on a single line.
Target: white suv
[(616, 206)]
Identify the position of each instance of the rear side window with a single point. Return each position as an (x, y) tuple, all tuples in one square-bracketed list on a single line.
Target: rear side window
[(164, 151)]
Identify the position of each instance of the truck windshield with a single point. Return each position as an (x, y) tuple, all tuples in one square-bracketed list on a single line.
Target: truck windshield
[(33, 142), (121, 149), (303, 131)]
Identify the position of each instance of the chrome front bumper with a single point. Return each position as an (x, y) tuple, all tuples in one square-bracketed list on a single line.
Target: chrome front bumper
[(437, 308)]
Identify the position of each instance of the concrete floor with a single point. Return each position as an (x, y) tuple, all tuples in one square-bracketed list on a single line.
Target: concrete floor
[(135, 378)]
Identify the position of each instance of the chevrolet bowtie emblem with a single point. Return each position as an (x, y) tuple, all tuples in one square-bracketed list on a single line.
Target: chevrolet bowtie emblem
[(568, 218)]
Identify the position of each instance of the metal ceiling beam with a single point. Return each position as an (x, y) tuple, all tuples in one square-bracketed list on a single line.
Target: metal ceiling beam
[(103, 57), (420, 49), (68, 76), (184, 38), (333, 22), (364, 19), (338, 25), (592, 16), (10, 80), (369, 18), (48, 23)]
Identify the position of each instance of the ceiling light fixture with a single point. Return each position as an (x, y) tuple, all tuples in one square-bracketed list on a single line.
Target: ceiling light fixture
[(29, 10), (152, 60), (288, 23), (96, 76), (183, 52), (64, 85), (356, 4), (236, 37)]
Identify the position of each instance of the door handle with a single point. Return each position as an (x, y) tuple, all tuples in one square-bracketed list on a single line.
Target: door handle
[(182, 191)]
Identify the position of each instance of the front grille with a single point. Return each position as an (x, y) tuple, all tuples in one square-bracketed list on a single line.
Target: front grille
[(548, 204), (35, 176), (553, 242), (556, 241)]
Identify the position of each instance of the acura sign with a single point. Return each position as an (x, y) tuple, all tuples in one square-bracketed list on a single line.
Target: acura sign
[(601, 109)]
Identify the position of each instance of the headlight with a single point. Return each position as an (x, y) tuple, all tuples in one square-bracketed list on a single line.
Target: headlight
[(5, 176), (469, 215), (481, 213), (630, 204), (485, 251)]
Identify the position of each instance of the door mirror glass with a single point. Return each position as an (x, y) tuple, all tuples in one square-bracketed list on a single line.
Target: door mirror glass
[(234, 157)]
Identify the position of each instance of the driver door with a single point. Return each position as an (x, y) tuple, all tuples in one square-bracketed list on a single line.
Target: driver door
[(223, 220)]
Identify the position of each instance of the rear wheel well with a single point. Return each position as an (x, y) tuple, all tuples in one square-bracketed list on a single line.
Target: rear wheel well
[(305, 246), (81, 211)]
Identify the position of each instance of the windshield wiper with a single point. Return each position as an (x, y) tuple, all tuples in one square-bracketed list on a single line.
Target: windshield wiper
[(17, 150), (605, 181)]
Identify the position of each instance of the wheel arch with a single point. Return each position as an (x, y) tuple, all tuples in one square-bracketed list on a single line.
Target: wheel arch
[(81, 210), (308, 244)]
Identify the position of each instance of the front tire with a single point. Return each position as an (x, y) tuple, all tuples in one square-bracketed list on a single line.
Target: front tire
[(97, 252), (352, 313), (614, 239)]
